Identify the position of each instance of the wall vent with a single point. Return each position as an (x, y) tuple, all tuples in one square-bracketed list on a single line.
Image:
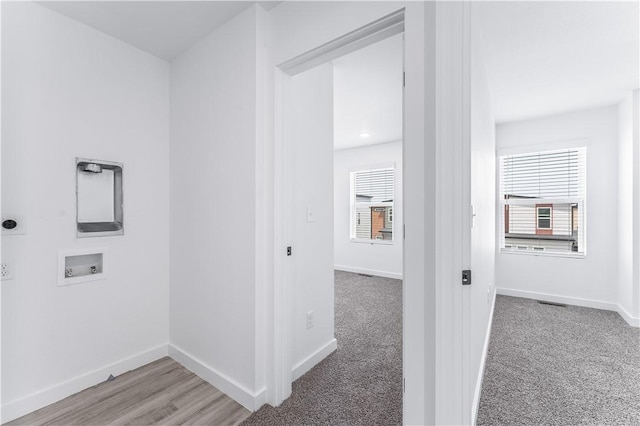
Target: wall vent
[(544, 302)]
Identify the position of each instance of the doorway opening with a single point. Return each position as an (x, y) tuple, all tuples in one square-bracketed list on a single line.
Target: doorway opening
[(323, 104)]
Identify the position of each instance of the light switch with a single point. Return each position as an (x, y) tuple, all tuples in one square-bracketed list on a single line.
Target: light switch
[(310, 217)]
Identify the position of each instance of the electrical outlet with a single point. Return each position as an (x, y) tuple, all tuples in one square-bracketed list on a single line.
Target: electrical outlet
[(310, 319), (6, 271)]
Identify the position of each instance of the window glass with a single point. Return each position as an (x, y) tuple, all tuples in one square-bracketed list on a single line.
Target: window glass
[(372, 194), (543, 199)]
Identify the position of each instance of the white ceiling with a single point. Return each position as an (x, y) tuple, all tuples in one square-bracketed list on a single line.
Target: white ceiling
[(368, 82), (545, 58), (542, 58), (163, 28), (368, 95)]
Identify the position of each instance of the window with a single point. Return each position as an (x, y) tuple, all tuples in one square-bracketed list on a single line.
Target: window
[(543, 199), (372, 193), (544, 219)]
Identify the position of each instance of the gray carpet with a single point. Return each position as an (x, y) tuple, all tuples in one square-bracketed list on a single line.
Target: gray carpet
[(550, 365), (360, 383)]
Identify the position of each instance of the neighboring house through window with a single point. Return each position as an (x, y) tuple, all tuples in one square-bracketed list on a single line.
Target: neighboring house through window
[(372, 194), (543, 198)]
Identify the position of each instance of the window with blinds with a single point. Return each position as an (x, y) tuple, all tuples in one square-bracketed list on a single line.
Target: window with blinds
[(542, 201), (372, 194)]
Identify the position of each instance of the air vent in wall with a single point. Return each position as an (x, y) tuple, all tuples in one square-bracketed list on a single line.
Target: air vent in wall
[(544, 302)]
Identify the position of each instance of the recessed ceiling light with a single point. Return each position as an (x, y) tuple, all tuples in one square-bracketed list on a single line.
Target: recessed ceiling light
[(364, 135)]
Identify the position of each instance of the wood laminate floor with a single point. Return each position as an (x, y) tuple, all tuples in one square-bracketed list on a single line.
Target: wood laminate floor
[(162, 392)]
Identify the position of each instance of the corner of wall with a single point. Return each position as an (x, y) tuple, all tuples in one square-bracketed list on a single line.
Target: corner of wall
[(251, 400)]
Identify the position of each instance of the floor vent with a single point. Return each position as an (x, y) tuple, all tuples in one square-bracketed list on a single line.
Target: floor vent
[(366, 275), (544, 302)]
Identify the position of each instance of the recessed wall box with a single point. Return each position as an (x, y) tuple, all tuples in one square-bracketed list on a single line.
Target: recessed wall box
[(12, 224), (98, 198), (76, 266)]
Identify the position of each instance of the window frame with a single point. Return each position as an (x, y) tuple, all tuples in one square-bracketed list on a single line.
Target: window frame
[(579, 202), (353, 205), (540, 230)]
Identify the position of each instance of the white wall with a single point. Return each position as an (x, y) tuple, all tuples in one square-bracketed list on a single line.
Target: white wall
[(591, 280), (628, 294), (310, 118), (383, 260), (483, 195), (213, 209), (71, 91)]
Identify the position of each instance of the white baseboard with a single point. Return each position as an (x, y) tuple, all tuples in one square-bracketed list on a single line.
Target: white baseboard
[(631, 320), (587, 303), (576, 301), (373, 272), (485, 349), (25, 405), (250, 400), (312, 360)]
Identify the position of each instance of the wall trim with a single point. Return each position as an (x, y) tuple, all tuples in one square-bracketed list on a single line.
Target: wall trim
[(359, 38), (25, 405), (483, 360), (631, 320), (250, 400), (373, 272), (576, 301), (312, 360)]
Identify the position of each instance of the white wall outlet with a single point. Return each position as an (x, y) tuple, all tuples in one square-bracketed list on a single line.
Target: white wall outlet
[(6, 271), (310, 319)]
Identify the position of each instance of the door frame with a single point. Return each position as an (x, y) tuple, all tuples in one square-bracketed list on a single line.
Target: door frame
[(436, 213), (375, 31), (419, 407)]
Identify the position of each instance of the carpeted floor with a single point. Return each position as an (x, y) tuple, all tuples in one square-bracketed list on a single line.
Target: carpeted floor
[(550, 365), (360, 383)]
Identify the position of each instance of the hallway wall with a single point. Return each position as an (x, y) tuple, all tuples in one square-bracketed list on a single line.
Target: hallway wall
[(481, 292), (213, 209), (628, 292), (310, 131)]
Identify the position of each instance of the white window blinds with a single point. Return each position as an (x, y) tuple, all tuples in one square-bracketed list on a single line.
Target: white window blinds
[(548, 175), (374, 186)]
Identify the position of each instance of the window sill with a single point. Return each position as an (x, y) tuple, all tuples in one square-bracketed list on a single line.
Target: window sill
[(543, 254), (372, 242)]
